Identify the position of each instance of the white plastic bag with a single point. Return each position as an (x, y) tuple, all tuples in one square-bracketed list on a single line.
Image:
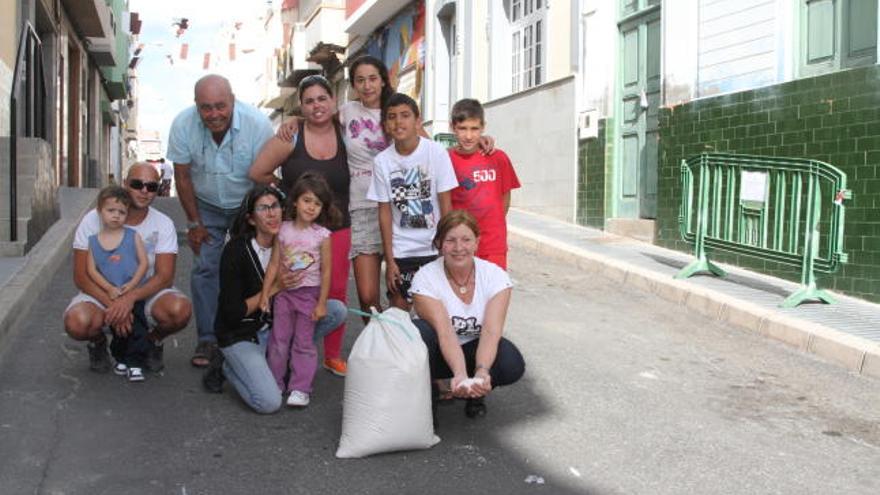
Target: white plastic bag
[(387, 404)]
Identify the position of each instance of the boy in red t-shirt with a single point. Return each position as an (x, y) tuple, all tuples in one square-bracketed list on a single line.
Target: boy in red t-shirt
[(484, 181)]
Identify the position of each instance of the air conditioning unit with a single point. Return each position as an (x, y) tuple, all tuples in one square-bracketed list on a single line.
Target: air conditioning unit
[(587, 124)]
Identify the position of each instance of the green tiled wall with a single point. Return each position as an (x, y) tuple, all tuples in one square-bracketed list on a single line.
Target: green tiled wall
[(591, 180), (834, 118)]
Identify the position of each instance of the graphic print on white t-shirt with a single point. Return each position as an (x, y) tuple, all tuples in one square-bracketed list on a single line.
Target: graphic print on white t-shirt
[(411, 195), (358, 125), (466, 326)]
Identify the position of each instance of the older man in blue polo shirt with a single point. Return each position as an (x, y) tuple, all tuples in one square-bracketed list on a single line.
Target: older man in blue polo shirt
[(212, 145)]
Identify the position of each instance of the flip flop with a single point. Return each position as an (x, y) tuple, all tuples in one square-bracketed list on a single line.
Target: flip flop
[(202, 355)]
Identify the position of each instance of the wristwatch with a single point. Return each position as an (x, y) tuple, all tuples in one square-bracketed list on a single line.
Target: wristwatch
[(192, 225)]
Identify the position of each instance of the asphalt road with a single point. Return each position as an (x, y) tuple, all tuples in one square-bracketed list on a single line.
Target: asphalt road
[(622, 394)]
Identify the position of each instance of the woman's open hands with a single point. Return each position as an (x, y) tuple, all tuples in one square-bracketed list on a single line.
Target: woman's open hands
[(472, 388), (459, 390), (482, 384)]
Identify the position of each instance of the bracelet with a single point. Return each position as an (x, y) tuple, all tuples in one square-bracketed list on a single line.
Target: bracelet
[(480, 367), (192, 225)]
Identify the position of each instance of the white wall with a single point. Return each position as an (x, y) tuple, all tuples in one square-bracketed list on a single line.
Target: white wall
[(711, 48), (479, 55), (499, 51), (556, 37), (436, 71), (5, 90), (737, 45), (472, 76), (596, 36), (680, 56), (536, 129)]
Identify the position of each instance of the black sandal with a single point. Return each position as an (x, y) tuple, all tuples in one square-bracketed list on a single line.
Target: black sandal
[(213, 378), (475, 408), (201, 357)]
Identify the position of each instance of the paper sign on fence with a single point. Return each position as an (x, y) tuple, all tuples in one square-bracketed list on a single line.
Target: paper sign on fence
[(753, 186)]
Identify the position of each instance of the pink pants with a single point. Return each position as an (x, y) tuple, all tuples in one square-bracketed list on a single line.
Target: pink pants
[(291, 341), (340, 246)]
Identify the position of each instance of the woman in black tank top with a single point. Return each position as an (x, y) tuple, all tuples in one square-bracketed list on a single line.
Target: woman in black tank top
[(334, 169), (318, 147)]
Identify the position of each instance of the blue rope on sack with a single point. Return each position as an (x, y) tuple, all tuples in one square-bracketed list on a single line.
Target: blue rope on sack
[(379, 316)]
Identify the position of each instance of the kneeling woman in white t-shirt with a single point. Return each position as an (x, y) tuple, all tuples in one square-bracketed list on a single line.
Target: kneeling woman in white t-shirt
[(462, 302)]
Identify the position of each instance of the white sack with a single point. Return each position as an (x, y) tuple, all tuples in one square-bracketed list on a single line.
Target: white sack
[(387, 404)]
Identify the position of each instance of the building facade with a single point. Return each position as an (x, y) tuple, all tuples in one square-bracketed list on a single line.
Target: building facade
[(58, 115), (789, 79), (597, 101)]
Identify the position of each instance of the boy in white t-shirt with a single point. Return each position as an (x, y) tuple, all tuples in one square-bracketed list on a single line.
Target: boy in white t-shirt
[(412, 181)]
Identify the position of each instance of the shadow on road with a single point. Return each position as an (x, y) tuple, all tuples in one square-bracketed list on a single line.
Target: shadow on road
[(64, 429)]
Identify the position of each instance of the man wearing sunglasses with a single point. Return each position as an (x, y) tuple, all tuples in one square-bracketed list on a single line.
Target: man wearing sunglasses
[(212, 145), (168, 310)]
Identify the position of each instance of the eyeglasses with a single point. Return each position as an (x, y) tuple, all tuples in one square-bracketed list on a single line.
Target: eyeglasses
[(139, 185), (262, 209)]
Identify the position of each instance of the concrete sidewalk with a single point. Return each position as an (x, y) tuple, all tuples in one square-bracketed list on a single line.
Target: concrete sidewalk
[(24, 278), (847, 333)]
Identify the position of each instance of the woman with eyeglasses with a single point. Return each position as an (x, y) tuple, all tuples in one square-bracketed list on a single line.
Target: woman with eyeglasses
[(242, 328), (317, 146)]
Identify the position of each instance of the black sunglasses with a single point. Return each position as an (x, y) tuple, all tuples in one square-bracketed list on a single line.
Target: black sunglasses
[(138, 185)]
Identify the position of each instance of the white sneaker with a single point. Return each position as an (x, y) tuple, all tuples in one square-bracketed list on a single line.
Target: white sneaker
[(135, 375), (120, 369), (298, 399)]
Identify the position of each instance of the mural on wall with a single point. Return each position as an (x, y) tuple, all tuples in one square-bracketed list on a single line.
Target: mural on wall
[(401, 45)]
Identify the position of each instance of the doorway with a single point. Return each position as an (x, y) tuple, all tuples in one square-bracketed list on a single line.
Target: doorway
[(638, 92)]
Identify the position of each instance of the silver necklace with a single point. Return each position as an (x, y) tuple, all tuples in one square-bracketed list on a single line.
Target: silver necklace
[(462, 288)]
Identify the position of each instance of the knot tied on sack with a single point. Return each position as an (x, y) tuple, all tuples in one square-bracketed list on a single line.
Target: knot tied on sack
[(381, 317)]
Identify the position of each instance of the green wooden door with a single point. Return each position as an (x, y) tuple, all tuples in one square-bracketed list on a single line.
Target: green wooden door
[(638, 103)]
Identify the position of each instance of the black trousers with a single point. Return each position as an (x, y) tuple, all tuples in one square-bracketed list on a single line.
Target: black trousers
[(131, 350), (508, 367)]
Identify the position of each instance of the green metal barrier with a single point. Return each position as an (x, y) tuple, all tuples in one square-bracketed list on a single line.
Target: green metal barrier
[(768, 207), (447, 139)]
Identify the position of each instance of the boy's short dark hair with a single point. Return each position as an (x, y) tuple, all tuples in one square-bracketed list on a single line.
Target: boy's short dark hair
[(465, 109), (396, 100), (113, 192)]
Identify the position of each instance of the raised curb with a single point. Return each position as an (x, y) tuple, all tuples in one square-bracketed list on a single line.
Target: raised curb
[(854, 353), (24, 288)]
